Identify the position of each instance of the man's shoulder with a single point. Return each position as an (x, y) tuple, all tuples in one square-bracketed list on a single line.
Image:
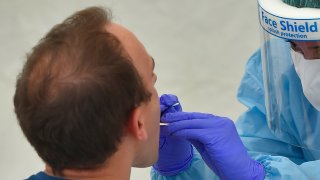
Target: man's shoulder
[(42, 176)]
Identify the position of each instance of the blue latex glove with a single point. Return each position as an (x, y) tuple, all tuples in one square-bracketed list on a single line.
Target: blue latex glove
[(217, 141), (175, 154)]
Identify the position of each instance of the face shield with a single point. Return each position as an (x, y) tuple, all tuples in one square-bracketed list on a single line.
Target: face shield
[(290, 53)]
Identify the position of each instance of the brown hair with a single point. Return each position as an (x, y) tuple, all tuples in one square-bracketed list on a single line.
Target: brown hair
[(76, 92)]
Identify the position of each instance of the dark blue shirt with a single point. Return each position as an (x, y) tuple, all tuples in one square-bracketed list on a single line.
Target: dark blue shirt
[(43, 176)]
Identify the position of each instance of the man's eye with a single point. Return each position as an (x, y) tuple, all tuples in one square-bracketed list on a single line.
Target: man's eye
[(295, 47)]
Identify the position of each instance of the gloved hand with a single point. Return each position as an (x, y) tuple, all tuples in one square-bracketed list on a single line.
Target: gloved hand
[(217, 141), (175, 154)]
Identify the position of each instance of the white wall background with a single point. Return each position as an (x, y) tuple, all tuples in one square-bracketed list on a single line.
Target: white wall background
[(200, 49)]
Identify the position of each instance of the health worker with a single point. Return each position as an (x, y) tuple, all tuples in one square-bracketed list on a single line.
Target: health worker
[(278, 137)]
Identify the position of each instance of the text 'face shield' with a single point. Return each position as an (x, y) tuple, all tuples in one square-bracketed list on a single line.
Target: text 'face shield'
[(290, 53)]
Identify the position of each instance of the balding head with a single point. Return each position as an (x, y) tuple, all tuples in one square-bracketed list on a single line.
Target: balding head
[(76, 92)]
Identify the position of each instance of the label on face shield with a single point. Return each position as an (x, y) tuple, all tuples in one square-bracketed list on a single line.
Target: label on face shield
[(293, 29)]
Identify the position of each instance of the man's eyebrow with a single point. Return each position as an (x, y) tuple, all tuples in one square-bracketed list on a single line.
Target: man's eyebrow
[(153, 63), (314, 47)]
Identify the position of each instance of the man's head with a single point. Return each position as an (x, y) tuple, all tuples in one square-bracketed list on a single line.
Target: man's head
[(85, 86)]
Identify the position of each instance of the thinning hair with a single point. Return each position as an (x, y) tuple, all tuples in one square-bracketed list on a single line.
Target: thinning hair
[(76, 92)]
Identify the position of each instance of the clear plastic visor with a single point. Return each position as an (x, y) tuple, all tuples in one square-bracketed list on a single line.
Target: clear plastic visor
[(290, 114)]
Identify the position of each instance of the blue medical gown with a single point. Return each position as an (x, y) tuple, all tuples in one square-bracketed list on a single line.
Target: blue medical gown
[(280, 158)]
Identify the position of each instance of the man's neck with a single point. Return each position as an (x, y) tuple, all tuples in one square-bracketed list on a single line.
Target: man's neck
[(117, 167), (96, 174)]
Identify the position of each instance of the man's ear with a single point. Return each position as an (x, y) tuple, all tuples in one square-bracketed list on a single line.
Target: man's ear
[(136, 124)]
